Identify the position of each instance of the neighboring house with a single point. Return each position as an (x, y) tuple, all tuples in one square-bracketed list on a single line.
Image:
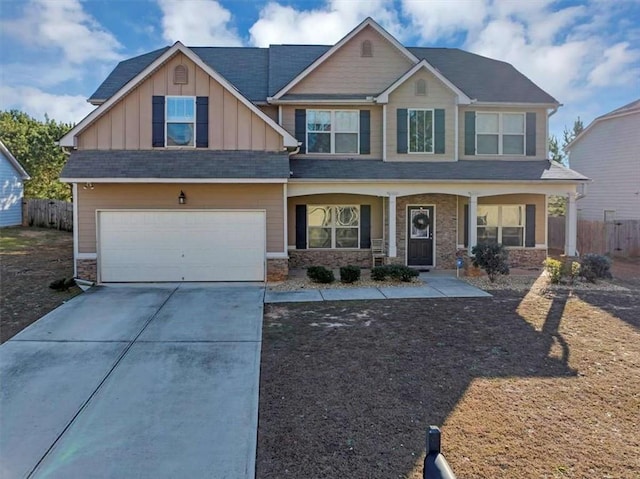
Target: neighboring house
[(205, 164), (607, 152), (12, 177)]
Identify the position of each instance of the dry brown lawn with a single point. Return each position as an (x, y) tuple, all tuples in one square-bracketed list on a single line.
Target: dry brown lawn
[(30, 259), (524, 385)]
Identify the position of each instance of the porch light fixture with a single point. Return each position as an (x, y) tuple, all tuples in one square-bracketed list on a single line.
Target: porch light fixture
[(88, 186), (182, 198)]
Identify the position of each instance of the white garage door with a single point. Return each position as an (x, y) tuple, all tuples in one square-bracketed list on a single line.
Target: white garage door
[(141, 246)]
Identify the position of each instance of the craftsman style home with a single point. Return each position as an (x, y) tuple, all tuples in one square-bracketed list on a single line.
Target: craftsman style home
[(236, 164)]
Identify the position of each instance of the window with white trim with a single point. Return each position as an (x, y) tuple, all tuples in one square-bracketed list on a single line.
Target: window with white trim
[(333, 227), (180, 121), (420, 131), (333, 131), (500, 133), (503, 224)]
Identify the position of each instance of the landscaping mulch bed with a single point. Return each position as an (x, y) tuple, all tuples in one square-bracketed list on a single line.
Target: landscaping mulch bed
[(30, 259), (532, 383)]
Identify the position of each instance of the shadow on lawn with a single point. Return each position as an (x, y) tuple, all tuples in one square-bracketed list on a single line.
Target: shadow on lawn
[(356, 400), (624, 305)]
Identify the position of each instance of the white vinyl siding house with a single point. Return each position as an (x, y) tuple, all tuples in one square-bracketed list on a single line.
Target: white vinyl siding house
[(12, 177)]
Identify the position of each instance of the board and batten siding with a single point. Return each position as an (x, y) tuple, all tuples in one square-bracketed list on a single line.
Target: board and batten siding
[(347, 71), (541, 133), (608, 154), (127, 125), (289, 124), (11, 194), (517, 199), (439, 96), (338, 200), (165, 196)]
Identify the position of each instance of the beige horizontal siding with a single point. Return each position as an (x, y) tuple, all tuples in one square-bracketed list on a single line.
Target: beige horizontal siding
[(232, 126), (525, 199), (163, 196), (346, 71), (541, 133), (335, 199), (438, 96), (289, 118)]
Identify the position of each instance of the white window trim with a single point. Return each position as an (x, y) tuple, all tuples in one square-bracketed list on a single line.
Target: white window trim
[(166, 121), (332, 132), (501, 132), (433, 131), (500, 225), (334, 227)]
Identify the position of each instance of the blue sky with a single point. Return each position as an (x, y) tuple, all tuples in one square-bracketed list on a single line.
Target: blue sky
[(55, 53)]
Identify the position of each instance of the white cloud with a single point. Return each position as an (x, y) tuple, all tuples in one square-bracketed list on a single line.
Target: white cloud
[(198, 23), (37, 103), (326, 25), (439, 19), (64, 25), (615, 70)]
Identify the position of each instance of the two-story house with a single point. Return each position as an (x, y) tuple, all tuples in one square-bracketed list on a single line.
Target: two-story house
[(205, 163)]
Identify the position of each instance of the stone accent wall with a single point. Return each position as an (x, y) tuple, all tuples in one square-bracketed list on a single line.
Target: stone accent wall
[(277, 269), (445, 241), (87, 269), (329, 258), (522, 258)]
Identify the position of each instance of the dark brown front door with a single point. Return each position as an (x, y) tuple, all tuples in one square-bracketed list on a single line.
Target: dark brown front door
[(420, 236)]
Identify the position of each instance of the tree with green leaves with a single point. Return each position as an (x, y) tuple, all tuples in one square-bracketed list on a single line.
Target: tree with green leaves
[(33, 143), (557, 153)]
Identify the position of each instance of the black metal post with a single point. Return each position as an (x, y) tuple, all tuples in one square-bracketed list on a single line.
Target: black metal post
[(435, 464)]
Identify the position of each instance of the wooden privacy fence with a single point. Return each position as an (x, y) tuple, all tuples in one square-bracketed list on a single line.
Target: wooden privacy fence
[(54, 214), (618, 238)]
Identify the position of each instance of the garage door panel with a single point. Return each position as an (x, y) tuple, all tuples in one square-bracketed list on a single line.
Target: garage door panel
[(182, 246)]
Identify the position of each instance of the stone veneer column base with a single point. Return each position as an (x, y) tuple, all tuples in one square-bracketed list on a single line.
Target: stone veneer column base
[(277, 269), (329, 258), (87, 269)]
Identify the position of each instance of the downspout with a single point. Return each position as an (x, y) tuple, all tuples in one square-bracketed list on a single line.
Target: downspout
[(384, 132)]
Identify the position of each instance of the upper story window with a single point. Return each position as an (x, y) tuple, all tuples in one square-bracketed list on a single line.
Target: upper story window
[(333, 226), (420, 131), (180, 121), (366, 49), (501, 224), (333, 131), (421, 87), (500, 133)]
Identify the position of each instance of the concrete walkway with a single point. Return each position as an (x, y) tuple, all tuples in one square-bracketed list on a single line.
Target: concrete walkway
[(436, 286), (135, 381)]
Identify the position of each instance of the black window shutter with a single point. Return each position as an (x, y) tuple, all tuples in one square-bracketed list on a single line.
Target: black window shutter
[(531, 134), (301, 226), (202, 122), (301, 129), (469, 132), (530, 227), (365, 132), (402, 130), (365, 226), (466, 225), (438, 143), (157, 119)]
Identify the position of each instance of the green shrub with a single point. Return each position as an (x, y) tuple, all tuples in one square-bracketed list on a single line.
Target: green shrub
[(320, 274), (554, 268), (394, 271), (349, 274), (574, 271), (491, 257), (595, 266)]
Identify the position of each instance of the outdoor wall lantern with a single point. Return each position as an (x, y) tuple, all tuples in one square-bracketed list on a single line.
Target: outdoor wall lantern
[(88, 186), (182, 198)]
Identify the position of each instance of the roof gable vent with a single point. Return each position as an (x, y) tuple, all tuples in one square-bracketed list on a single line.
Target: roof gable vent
[(366, 49), (180, 75), (421, 87)]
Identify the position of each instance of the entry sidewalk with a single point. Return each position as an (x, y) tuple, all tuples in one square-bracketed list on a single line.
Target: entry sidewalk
[(434, 287)]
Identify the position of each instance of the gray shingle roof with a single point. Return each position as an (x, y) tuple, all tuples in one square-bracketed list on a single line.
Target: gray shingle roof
[(261, 72), (463, 170), (175, 164)]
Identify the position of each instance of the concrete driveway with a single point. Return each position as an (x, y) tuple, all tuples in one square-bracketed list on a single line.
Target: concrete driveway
[(135, 381)]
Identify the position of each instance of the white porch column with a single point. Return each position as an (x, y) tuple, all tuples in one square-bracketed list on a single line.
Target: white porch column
[(473, 221), (571, 226), (393, 250)]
